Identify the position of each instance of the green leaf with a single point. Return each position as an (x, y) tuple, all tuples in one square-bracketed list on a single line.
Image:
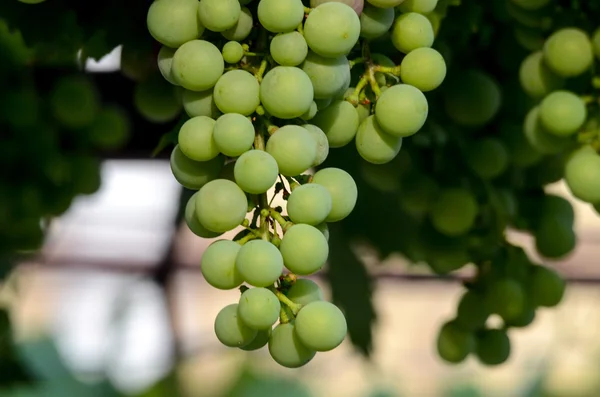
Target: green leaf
[(169, 138), (250, 384), (97, 46)]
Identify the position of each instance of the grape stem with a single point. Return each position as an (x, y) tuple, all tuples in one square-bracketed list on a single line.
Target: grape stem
[(261, 70), (246, 238), (307, 10), (356, 61), (393, 70), (280, 219), (300, 29), (354, 97), (283, 316), (294, 307)]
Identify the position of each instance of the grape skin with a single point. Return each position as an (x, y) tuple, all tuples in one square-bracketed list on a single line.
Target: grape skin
[(259, 308), (385, 3), (332, 29), (232, 52), (197, 65), (260, 263), (554, 239), (547, 287), (233, 134), (487, 157), (541, 140), (375, 22), (111, 129), (286, 349), (309, 204), (328, 75), (230, 330), (256, 171), (357, 5), (196, 139), (237, 91), (568, 52), (286, 92), (242, 28), (562, 113), (322, 143), (218, 265), (506, 298), (261, 339), (294, 149), (289, 49), (74, 101), (401, 110), (156, 100), (221, 205), (471, 313), (199, 103), (304, 249), (411, 31), (454, 344), (280, 16), (339, 122), (454, 213), (423, 68), (219, 15), (192, 220), (165, 63), (375, 145), (472, 98), (194, 174), (536, 78), (321, 326), (174, 22), (492, 347), (420, 6), (305, 291), (582, 175)]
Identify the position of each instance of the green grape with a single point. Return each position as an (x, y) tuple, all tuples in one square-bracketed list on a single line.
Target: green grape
[(568, 52), (380, 59), (374, 144), (411, 31), (596, 42), (165, 64), (309, 204), (357, 5), (554, 238), (323, 103), (259, 308), (541, 140), (230, 329), (419, 192), (242, 28), (194, 174), (256, 171), (328, 75), (261, 340), (285, 346), (342, 189), (305, 291), (521, 152), (221, 205), (423, 68), (219, 15), (453, 343), (471, 313), (86, 177), (547, 287), (233, 134), (304, 249), (111, 128), (321, 326), (196, 139), (339, 122), (562, 113), (280, 16), (531, 4), (289, 49), (174, 22), (74, 101), (401, 110), (492, 346), (237, 91), (582, 175), (322, 143), (364, 111), (531, 39), (199, 103), (233, 52), (323, 228), (506, 298), (137, 62), (385, 3), (218, 265), (332, 29), (454, 212), (536, 78), (311, 112), (487, 157), (194, 224), (286, 92), (294, 149), (375, 21), (558, 207), (197, 65), (420, 6), (446, 254), (157, 100), (472, 98), (260, 263)]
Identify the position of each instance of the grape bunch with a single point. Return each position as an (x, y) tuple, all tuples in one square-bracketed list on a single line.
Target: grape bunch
[(269, 87)]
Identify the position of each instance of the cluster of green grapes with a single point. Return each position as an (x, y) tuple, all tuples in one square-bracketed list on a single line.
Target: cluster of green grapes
[(266, 102), (49, 137)]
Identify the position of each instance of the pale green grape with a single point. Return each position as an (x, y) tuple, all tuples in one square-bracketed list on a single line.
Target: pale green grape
[(596, 42), (289, 49), (111, 128), (194, 224), (472, 98), (194, 174), (530, 4), (199, 103), (472, 312), (165, 63), (305, 291), (385, 3), (375, 21), (328, 75), (233, 52), (569, 52), (342, 189), (582, 174), (74, 102), (242, 28), (233, 134), (218, 265), (541, 140), (536, 78), (492, 346), (304, 249), (339, 121), (454, 212), (547, 287), (411, 31), (196, 139), (357, 5), (323, 103), (230, 329), (310, 204), (322, 143), (323, 228), (197, 65), (562, 113), (420, 6), (363, 111), (311, 112), (374, 144), (423, 68), (401, 110), (286, 349), (237, 91), (280, 16), (286, 92), (156, 100), (260, 263), (256, 171), (554, 238), (259, 308), (219, 15), (221, 205), (294, 149), (321, 326), (262, 338), (453, 343), (332, 29), (487, 157), (174, 22)]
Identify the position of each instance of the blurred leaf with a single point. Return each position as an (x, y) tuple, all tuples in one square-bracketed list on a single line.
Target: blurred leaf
[(166, 387), (44, 360), (464, 391), (251, 384), (351, 288), (12, 370), (169, 138), (97, 46)]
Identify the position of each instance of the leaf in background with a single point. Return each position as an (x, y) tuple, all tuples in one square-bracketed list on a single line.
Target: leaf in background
[(169, 138), (166, 387), (351, 288), (12, 371), (97, 46), (464, 390), (251, 384)]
